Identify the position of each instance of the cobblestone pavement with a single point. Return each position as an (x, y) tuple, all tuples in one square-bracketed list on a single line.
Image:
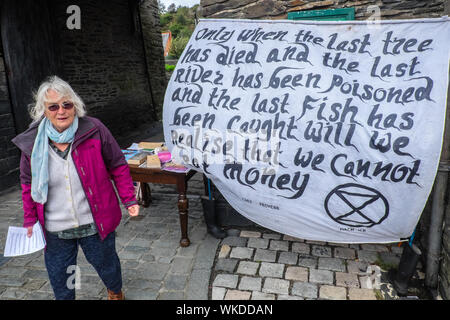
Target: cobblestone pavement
[(251, 263), (154, 266), (264, 265)]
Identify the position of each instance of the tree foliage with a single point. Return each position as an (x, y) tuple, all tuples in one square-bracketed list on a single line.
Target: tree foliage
[(181, 23), (177, 47), (161, 7)]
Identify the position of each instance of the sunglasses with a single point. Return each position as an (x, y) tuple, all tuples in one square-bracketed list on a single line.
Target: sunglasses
[(66, 105)]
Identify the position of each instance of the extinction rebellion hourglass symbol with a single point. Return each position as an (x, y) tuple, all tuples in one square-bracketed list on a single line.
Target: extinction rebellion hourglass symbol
[(356, 205)]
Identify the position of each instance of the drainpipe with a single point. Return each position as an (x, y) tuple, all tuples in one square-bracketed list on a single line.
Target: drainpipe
[(436, 226), (438, 208)]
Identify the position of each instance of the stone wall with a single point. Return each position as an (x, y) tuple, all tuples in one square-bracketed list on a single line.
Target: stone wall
[(9, 155), (105, 63), (278, 9), (115, 62), (154, 52), (389, 9), (444, 270)]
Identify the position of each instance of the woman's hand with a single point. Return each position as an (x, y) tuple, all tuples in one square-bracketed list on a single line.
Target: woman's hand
[(134, 210), (29, 232)]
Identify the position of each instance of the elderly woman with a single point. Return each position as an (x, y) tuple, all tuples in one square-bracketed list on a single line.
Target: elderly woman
[(67, 163)]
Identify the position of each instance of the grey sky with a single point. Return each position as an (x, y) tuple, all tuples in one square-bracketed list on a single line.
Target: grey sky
[(185, 3)]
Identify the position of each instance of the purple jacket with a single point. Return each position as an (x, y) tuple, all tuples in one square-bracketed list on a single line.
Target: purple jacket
[(98, 159)]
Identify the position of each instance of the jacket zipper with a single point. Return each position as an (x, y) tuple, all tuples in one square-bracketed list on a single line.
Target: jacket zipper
[(78, 141)]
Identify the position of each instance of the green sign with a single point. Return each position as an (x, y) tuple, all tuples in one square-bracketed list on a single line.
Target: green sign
[(325, 15)]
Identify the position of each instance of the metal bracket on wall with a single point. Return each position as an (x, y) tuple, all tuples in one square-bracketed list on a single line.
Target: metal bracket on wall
[(444, 166)]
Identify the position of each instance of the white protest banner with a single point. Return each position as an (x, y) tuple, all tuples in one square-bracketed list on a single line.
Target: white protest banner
[(325, 131)]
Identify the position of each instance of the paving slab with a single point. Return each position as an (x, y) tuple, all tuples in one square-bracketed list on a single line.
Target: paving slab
[(332, 293), (305, 289)]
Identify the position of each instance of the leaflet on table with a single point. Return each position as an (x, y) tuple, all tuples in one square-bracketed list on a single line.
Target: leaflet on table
[(137, 157), (174, 167), (134, 146), (129, 153)]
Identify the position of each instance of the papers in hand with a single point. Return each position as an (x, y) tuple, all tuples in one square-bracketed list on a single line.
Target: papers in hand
[(18, 244)]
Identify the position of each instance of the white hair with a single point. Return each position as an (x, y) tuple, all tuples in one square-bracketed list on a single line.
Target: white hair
[(64, 89)]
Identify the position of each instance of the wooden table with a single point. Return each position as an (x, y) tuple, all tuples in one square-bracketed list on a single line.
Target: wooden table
[(149, 175)]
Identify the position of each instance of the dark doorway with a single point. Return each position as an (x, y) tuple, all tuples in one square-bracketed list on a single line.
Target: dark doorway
[(30, 51)]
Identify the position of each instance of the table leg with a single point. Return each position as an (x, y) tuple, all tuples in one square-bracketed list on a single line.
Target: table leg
[(183, 205), (146, 195)]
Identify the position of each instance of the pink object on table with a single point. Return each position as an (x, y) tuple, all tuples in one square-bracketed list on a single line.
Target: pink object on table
[(164, 156)]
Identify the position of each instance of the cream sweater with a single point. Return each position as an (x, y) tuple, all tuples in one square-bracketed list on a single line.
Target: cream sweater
[(66, 206)]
